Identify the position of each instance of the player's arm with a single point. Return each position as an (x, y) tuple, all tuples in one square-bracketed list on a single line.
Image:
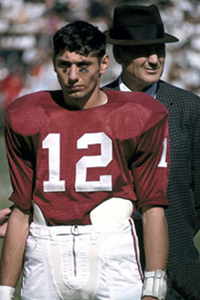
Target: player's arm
[(156, 246), (155, 237), (151, 172), (13, 250)]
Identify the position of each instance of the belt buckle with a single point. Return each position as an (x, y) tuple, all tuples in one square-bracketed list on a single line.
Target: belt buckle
[(74, 230)]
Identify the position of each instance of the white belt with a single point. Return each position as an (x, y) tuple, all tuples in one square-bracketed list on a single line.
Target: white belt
[(63, 230)]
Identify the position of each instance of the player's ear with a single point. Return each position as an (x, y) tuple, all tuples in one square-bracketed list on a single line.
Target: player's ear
[(54, 61), (105, 61)]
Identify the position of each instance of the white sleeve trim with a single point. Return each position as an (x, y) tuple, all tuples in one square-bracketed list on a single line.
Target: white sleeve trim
[(6, 292), (155, 284)]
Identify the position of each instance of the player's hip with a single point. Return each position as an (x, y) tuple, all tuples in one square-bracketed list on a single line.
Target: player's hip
[(82, 262)]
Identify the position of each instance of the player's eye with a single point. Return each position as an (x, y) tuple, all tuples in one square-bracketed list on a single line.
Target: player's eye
[(83, 70)]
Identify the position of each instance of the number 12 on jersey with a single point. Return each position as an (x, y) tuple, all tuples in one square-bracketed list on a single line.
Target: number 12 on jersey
[(55, 184)]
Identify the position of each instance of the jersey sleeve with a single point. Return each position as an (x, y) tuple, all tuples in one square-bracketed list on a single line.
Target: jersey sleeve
[(150, 167), (20, 167)]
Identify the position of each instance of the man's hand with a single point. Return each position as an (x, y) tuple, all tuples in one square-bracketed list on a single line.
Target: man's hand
[(4, 216)]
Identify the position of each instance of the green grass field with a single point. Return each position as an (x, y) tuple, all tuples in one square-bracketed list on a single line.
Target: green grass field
[(5, 190)]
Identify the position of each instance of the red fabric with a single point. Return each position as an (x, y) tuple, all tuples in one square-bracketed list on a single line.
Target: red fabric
[(122, 140)]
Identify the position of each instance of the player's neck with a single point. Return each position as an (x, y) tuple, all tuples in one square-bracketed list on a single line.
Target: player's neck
[(99, 99), (96, 98)]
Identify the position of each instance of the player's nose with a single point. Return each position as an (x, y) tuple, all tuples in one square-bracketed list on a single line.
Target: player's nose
[(73, 73)]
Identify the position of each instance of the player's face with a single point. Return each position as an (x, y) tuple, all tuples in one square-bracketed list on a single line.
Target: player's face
[(79, 76), (143, 66)]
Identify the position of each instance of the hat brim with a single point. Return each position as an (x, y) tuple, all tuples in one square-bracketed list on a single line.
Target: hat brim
[(166, 39)]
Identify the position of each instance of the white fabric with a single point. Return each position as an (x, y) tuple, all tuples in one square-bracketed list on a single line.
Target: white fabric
[(82, 262), (151, 91), (155, 284), (6, 292), (38, 216), (111, 210)]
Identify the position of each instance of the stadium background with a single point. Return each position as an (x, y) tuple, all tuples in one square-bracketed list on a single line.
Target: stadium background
[(26, 28)]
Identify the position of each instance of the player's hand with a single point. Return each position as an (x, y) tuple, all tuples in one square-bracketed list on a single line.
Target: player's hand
[(4, 216)]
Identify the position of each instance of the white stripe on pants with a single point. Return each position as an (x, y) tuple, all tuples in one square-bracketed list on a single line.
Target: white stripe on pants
[(82, 263)]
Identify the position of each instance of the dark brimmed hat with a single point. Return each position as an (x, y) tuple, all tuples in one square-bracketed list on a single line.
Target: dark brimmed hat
[(138, 25)]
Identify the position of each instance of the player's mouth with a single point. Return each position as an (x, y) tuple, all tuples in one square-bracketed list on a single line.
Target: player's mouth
[(74, 88)]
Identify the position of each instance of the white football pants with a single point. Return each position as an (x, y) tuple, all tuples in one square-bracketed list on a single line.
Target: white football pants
[(82, 263)]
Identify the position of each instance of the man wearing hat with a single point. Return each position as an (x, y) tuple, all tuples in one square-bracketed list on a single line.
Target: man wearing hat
[(138, 39)]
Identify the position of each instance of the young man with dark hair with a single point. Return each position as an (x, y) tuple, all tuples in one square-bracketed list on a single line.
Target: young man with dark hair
[(80, 157)]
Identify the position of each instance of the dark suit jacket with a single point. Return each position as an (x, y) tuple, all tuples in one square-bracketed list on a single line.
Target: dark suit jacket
[(183, 214)]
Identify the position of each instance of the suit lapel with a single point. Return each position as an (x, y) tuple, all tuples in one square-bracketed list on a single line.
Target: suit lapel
[(163, 95)]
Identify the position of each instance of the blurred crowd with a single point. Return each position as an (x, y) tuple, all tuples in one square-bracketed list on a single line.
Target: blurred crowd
[(27, 26)]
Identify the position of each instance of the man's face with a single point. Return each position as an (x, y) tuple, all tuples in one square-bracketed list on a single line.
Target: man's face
[(79, 76), (143, 65)]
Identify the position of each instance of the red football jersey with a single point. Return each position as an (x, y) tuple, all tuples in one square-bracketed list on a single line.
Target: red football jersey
[(69, 162)]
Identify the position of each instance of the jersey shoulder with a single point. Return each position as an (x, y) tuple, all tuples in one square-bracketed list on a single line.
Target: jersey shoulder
[(136, 100), (136, 110), (28, 112)]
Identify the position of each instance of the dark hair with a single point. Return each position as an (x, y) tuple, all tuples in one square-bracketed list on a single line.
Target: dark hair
[(80, 37)]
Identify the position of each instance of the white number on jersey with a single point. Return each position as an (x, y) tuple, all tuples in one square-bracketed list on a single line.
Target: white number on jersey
[(105, 181), (54, 184), (52, 142), (163, 161)]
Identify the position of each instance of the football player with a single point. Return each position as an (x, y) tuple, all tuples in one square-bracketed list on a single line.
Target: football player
[(80, 158)]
